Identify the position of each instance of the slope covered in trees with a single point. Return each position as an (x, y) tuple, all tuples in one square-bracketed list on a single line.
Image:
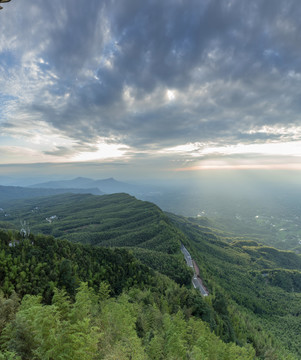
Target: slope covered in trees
[(254, 289), (37, 264), (132, 326), (109, 220), (117, 220), (260, 283), (123, 310)]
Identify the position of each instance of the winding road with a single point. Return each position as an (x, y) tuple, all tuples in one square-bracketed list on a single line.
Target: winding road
[(196, 280)]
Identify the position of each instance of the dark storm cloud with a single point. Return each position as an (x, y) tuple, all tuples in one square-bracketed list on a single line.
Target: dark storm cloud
[(234, 67)]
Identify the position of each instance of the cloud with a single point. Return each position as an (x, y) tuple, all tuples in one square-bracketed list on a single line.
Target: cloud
[(106, 70), (60, 151)]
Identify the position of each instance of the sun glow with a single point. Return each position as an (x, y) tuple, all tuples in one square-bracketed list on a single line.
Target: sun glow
[(170, 95), (103, 151)]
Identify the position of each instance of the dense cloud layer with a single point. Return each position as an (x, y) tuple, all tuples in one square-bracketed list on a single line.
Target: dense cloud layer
[(151, 74)]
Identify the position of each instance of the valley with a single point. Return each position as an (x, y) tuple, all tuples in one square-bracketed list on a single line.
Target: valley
[(268, 217)]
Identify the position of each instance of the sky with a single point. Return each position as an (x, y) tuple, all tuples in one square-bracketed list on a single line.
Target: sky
[(149, 88)]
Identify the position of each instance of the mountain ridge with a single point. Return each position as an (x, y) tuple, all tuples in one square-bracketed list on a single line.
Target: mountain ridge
[(107, 185), (8, 193)]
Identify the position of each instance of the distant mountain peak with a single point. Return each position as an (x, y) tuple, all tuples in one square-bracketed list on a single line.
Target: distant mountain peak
[(81, 178), (108, 185), (109, 179)]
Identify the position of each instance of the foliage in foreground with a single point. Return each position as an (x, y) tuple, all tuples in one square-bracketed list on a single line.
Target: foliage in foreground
[(130, 326), (37, 264)]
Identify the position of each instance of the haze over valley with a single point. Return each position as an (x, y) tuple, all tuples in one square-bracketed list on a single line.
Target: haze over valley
[(262, 205)]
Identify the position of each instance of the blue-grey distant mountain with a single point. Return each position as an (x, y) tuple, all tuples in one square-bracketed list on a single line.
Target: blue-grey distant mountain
[(109, 186), (79, 182), (8, 193)]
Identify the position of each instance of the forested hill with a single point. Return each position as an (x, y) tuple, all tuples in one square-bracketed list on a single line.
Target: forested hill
[(263, 282), (255, 291), (37, 264), (117, 220), (122, 310)]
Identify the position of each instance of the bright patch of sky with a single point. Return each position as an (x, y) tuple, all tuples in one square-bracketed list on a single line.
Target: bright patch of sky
[(283, 149), (170, 95), (103, 151), (280, 148)]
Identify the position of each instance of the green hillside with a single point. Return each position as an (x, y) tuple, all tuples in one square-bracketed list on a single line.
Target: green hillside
[(37, 264), (255, 290), (117, 220), (260, 283), (123, 310), (109, 220)]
